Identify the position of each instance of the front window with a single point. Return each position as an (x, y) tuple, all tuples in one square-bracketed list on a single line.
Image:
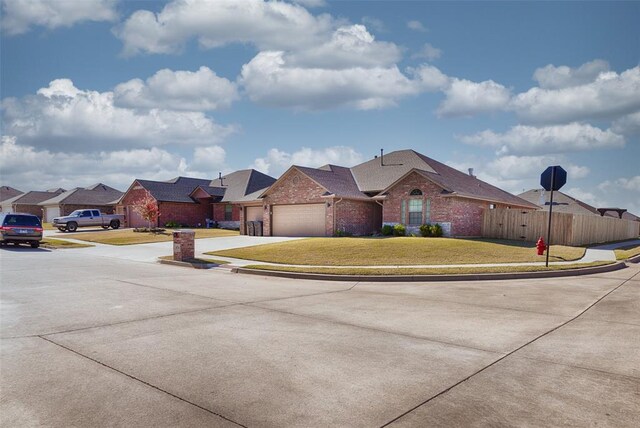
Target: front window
[(228, 212), (415, 212)]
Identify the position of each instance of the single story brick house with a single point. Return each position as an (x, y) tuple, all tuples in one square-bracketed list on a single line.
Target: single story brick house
[(28, 202), (564, 203), (7, 192), (402, 187), (99, 196), (193, 201)]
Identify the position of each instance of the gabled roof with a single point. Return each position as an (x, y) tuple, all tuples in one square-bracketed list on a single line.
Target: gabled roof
[(235, 187), (338, 180), (564, 203), (371, 176), (175, 190), (98, 195), (239, 186), (7, 192), (379, 175), (32, 198)]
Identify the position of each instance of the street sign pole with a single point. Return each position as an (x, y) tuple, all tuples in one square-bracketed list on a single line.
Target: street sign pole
[(553, 180)]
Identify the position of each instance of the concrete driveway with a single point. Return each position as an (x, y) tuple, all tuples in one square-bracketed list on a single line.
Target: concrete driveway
[(94, 340), (150, 252)]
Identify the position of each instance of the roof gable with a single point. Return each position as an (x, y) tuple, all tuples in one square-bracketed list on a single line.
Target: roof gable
[(97, 195), (7, 192)]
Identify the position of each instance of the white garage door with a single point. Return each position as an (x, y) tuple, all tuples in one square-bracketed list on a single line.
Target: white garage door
[(51, 213), (134, 219), (254, 214), (299, 220)]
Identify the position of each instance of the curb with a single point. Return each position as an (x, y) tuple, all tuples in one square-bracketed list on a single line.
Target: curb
[(187, 264), (436, 278), (634, 259)]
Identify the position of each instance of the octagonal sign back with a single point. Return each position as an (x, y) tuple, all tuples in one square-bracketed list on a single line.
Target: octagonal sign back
[(550, 181)]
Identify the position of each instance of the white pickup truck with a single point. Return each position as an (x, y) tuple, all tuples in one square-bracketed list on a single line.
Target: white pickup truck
[(87, 218)]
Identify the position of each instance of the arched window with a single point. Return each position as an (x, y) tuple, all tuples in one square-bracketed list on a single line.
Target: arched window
[(416, 192)]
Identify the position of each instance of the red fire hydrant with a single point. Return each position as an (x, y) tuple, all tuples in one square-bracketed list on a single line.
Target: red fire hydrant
[(541, 246)]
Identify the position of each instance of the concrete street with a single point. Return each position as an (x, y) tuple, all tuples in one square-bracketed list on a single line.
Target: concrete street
[(93, 338)]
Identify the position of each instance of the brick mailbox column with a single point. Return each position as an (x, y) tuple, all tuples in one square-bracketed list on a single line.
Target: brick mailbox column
[(183, 245)]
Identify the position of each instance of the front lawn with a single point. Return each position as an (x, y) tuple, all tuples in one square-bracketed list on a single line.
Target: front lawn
[(424, 271), (398, 251), (129, 237), (627, 252), (59, 243)]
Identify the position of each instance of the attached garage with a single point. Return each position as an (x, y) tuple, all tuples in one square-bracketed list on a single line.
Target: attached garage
[(51, 212), (299, 220), (133, 219)]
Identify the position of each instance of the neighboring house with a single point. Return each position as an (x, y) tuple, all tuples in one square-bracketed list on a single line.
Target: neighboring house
[(28, 202), (564, 203), (402, 187), (193, 201), (7, 192), (98, 196)]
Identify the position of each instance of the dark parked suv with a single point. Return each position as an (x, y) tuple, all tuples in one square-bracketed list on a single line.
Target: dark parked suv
[(20, 228)]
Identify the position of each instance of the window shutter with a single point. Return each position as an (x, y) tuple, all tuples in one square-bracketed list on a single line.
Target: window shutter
[(403, 214)]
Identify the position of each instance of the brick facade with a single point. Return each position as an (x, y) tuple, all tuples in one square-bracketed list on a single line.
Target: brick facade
[(295, 188), (357, 217), (183, 245), (463, 217), (218, 210), (184, 213), (29, 209)]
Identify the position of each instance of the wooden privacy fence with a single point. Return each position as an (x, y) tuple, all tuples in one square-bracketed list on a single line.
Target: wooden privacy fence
[(566, 229)]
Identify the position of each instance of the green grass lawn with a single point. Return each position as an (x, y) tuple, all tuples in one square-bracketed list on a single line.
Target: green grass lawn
[(129, 237), (627, 252), (59, 243), (48, 226), (424, 271), (398, 251)]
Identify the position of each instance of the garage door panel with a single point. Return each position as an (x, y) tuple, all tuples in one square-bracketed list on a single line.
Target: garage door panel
[(299, 220), (51, 213), (254, 214)]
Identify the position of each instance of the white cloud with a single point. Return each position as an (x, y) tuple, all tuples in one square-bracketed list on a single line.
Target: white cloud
[(277, 161), (30, 168), (610, 95), (269, 80), (416, 26), (523, 139), (349, 46), (585, 196), (208, 158), (631, 183), (517, 174), (177, 90), (552, 77), (428, 52), (66, 117), (466, 98), (18, 16), (214, 23), (627, 125)]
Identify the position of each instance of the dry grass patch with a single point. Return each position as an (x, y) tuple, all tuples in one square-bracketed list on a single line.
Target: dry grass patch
[(59, 243), (424, 271), (398, 251), (129, 237), (627, 252)]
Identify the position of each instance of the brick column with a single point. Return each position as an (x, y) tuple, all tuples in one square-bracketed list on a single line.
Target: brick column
[(183, 245)]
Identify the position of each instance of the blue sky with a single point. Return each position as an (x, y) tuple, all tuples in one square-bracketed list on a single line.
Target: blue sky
[(109, 91)]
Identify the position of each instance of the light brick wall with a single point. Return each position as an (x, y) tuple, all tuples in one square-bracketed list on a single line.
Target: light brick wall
[(183, 245), (184, 213), (465, 215), (296, 188), (358, 217)]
